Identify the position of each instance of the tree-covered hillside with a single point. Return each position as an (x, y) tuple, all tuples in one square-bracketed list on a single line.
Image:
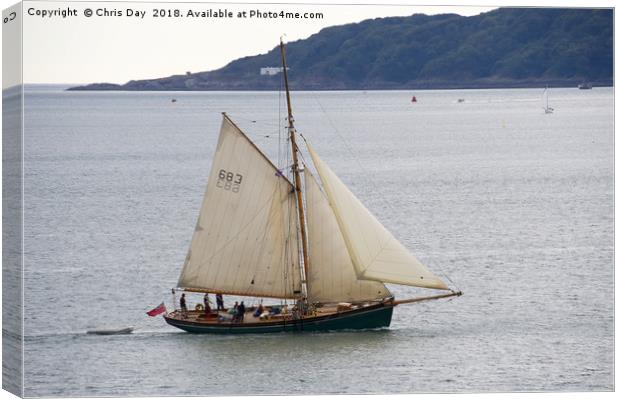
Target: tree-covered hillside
[(507, 47)]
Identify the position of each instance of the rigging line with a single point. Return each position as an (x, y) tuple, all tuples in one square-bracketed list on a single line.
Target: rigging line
[(303, 160), (253, 121), (280, 124), (456, 287), (264, 140), (267, 134), (287, 243), (290, 253), (286, 167), (366, 175)]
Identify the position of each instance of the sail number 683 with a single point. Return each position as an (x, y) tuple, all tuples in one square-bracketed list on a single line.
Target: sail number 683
[(229, 180)]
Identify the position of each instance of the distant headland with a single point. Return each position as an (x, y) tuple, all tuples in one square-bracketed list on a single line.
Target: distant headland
[(507, 47)]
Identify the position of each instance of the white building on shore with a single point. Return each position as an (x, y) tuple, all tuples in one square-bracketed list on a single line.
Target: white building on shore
[(270, 71)]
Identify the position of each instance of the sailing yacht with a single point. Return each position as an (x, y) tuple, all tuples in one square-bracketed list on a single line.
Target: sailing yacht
[(546, 107), (263, 232)]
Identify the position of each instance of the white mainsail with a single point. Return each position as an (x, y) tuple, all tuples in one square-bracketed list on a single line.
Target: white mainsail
[(245, 241), (375, 253), (331, 276)]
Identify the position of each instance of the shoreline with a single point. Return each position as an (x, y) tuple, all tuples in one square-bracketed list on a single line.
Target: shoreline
[(309, 89), (72, 87)]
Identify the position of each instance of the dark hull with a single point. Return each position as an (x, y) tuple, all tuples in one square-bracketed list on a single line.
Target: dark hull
[(376, 316)]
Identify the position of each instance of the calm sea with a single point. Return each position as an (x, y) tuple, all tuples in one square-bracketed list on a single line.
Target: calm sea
[(510, 205)]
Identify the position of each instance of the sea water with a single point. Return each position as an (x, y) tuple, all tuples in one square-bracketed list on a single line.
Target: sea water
[(508, 204)]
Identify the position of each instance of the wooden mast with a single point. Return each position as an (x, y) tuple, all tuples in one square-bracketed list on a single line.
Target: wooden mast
[(300, 205)]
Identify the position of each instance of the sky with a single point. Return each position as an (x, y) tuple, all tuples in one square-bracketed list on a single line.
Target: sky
[(118, 48)]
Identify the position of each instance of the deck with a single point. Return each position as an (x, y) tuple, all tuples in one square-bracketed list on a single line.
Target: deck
[(223, 317)]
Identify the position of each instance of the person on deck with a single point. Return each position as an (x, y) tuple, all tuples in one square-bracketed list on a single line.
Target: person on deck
[(241, 312), (183, 305), (302, 306), (206, 302), (234, 311), (219, 299), (259, 310)]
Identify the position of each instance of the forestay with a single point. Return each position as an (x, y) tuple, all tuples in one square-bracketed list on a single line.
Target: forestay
[(331, 276), (245, 240), (375, 253)]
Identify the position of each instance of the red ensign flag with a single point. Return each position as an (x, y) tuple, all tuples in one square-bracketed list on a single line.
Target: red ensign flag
[(158, 310)]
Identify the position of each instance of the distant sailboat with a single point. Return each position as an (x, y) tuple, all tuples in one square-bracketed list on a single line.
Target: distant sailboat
[(546, 107), (257, 236)]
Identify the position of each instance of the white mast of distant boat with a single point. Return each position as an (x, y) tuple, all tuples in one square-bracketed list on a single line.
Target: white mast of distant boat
[(547, 108)]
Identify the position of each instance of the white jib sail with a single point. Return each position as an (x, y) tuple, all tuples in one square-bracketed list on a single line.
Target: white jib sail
[(245, 241), (331, 276), (375, 253)]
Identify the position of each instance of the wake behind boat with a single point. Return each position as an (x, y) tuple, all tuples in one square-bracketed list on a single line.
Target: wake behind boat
[(265, 232), (111, 331)]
